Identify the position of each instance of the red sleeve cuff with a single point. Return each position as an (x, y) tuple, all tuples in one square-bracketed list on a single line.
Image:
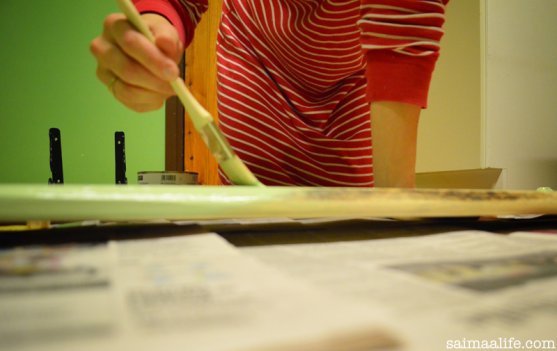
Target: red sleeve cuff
[(165, 9), (396, 77)]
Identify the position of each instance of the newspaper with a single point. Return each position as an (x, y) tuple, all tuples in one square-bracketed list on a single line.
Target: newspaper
[(535, 237), (443, 290), (184, 293)]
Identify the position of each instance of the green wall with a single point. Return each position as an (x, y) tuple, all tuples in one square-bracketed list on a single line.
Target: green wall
[(47, 79)]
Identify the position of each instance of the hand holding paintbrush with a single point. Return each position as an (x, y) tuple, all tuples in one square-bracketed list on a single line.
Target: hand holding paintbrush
[(159, 69)]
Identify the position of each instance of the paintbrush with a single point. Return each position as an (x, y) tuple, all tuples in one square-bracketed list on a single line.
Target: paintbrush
[(230, 163)]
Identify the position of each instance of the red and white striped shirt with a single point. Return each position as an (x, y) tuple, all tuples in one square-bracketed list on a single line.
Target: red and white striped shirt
[(295, 78)]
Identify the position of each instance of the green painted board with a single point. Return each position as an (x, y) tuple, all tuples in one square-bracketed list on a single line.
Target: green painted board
[(20, 202)]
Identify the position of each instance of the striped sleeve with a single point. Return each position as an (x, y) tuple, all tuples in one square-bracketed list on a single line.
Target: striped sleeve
[(183, 14), (401, 41)]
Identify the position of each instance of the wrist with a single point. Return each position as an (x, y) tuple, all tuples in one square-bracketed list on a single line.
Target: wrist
[(394, 130)]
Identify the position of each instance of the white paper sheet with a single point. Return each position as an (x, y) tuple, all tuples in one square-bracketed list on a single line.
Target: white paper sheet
[(184, 293), (439, 287)]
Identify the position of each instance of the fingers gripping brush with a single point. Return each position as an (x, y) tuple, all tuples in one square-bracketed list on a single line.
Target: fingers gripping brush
[(230, 163)]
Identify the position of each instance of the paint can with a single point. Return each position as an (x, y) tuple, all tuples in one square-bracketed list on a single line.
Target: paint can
[(167, 178)]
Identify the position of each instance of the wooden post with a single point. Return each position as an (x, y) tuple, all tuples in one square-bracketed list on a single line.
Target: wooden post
[(201, 79)]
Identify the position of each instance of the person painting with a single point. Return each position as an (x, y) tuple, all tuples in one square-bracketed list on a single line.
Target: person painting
[(310, 92)]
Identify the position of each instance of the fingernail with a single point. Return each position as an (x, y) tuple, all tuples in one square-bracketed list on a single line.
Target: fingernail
[(170, 73)]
